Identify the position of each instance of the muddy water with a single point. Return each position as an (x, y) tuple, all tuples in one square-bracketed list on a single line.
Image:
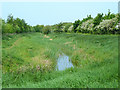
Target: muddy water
[(63, 62)]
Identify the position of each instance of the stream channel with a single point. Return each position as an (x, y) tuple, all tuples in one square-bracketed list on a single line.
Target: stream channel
[(63, 62)]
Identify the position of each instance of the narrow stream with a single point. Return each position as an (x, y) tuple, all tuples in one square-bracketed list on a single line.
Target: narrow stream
[(63, 62)]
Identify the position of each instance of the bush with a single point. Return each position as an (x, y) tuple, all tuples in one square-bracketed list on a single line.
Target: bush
[(7, 28), (70, 28), (75, 25), (17, 29), (109, 15), (107, 26), (87, 26), (46, 29), (38, 28), (59, 28), (66, 27), (97, 19)]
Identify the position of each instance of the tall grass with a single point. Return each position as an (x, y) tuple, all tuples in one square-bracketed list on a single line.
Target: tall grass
[(29, 60)]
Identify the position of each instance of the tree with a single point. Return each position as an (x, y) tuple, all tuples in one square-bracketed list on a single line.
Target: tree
[(46, 29), (58, 28), (85, 19), (24, 27), (38, 28), (17, 29), (10, 19), (67, 26), (8, 28), (97, 19), (75, 25), (109, 15), (31, 29)]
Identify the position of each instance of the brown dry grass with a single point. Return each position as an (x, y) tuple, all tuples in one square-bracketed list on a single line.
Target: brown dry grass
[(44, 63), (45, 36), (50, 39)]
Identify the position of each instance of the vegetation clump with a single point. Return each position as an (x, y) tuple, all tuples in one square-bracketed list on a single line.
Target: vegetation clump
[(29, 59), (101, 24), (46, 29)]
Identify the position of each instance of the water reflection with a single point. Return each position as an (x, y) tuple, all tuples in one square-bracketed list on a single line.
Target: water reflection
[(63, 62)]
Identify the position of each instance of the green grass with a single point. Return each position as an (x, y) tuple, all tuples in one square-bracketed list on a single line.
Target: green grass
[(29, 60)]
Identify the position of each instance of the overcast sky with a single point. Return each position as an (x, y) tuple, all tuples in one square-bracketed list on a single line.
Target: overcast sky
[(49, 13)]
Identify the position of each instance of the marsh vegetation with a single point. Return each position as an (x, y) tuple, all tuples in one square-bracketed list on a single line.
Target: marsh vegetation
[(30, 59), (83, 54)]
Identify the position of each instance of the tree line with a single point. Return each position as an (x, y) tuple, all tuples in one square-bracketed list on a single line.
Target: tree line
[(101, 24)]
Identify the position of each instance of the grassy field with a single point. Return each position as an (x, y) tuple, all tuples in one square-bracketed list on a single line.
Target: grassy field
[(29, 60)]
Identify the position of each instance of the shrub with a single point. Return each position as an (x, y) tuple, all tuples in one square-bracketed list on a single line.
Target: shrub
[(70, 28), (66, 27), (38, 28), (59, 28), (97, 19), (7, 28), (46, 29), (109, 15), (87, 26), (75, 25), (63, 28), (107, 26), (17, 29)]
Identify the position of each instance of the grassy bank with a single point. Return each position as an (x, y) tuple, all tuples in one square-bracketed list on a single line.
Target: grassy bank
[(29, 60)]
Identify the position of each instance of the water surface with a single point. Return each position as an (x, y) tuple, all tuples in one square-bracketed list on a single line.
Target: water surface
[(63, 62)]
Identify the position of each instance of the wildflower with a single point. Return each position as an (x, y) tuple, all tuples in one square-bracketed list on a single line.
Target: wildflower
[(38, 67)]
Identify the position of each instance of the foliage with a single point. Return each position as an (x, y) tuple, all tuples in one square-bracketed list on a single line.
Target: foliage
[(97, 19), (46, 29), (10, 19), (87, 27), (38, 28), (101, 24), (67, 26), (109, 15), (16, 29), (75, 25), (87, 18), (58, 28), (107, 27), (70, 28), (7, 28), (17, 26)]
